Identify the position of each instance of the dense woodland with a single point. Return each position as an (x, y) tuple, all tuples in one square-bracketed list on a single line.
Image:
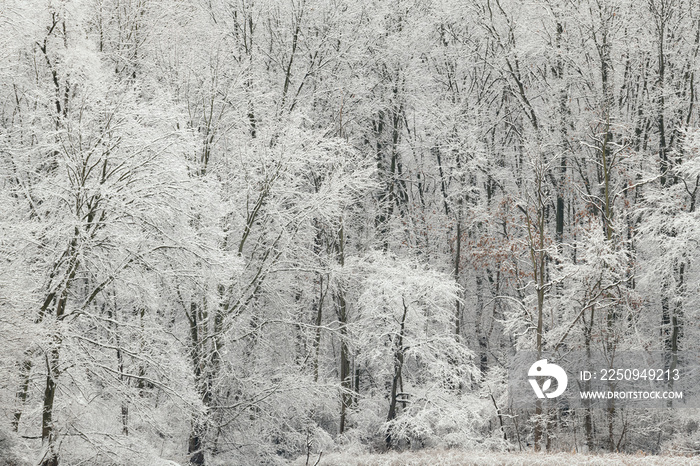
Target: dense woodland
[(248, 231)]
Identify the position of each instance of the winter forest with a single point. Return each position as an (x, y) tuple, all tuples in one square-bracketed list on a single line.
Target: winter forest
[(239, 232)]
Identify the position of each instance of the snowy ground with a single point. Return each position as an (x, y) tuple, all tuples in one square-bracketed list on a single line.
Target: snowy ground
[(461, 458)]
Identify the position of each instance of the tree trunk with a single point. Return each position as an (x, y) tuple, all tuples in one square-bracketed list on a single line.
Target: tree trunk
[(48, 437), (23, 392), (345, 374), (396, 380), (317, 336)]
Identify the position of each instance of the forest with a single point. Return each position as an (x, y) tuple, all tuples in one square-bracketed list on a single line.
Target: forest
[(239, 232)]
